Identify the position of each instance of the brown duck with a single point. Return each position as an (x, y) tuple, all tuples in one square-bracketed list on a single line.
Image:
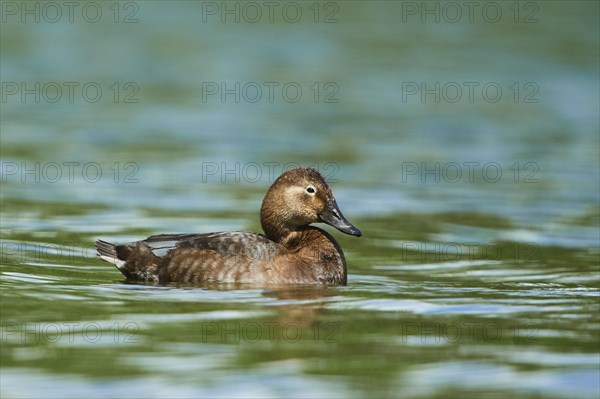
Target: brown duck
[(290, 251)]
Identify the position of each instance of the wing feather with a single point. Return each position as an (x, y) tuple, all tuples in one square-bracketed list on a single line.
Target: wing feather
[(253, 245)]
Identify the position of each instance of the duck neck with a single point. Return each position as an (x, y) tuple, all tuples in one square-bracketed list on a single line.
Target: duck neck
[(273, 217), (278, 232)]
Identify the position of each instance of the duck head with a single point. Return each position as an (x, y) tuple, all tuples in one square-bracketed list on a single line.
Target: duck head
[(298, 198)]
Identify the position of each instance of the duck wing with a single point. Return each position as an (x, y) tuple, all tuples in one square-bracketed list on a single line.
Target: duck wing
[(252, 245), (228, 257)]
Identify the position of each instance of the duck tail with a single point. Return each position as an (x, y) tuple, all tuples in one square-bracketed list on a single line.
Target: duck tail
[(108, 253), (135, 260)]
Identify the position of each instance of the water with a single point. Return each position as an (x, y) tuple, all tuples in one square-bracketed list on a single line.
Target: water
[(477, 275)]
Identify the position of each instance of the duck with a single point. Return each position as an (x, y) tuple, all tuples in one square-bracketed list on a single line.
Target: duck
[(291, 250)]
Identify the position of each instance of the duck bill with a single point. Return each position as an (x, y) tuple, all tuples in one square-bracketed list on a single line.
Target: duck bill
[(334, 217)]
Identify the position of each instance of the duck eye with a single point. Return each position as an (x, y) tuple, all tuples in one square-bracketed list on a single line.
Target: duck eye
[(310, 189)]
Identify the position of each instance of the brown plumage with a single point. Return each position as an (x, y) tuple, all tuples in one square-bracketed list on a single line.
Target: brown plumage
[(290, 251)]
